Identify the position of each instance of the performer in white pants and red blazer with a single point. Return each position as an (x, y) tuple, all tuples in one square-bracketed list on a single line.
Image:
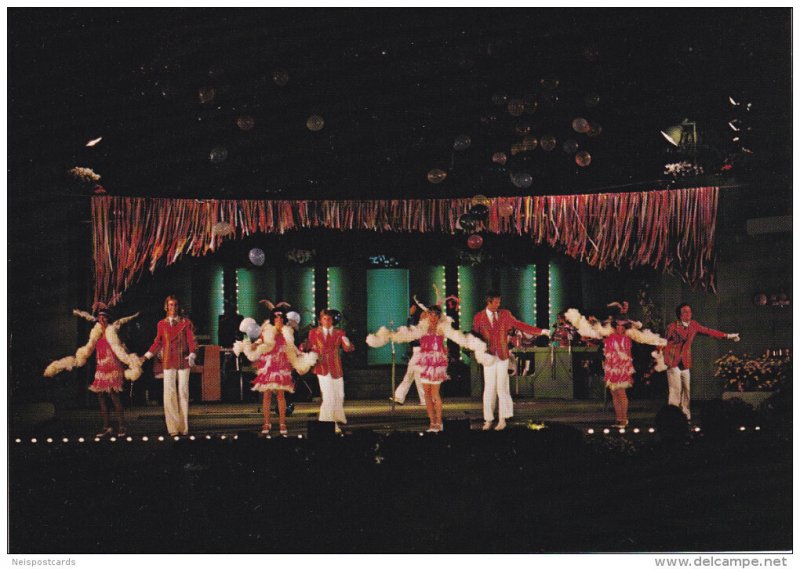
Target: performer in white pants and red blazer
[(326, 341), (678, 354), (494, 326), (175, 339), (413, 370)]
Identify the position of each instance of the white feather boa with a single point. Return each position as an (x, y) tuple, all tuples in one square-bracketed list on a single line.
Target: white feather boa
[(597, 331), (406, 334), (300, 361), (82, 355)]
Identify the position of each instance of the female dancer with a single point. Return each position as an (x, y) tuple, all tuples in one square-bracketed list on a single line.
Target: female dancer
[(276, 355), (111, 361), (431, 332), (618, 368)]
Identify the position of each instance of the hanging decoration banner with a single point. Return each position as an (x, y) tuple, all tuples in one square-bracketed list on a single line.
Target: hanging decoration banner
[(669, 230)]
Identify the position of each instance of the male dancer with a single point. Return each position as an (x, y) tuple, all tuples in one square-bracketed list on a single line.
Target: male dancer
[(175, 338), (678, 354), (494, 326), (412, 371), (326, 340)]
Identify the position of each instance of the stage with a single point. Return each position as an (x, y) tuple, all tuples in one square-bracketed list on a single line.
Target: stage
[(225, 418)]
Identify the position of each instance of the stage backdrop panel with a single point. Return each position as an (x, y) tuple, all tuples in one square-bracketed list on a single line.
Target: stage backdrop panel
[(387, 303)]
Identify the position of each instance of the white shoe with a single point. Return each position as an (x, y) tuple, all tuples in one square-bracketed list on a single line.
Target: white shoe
[(501, 424), (487, 425)]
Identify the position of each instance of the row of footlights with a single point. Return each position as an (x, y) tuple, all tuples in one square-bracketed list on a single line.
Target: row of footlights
[(161, 438)]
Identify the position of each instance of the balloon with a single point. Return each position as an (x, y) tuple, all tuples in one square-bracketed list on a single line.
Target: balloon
[(436, 176), (592, 100), (580, 124), (257, 256), (480, 199), (548, 142), (548, 98), (570, 146), (505, 209), (499, 158), (467, 222), (245, 122), (280, 77), (462, 142), (583, 159), (474, 241), (522, 129), (499, 99), (594, 129), (521, 179), (479, 211), (253, 331), (549, 83), (529, 143), (315, 123), (206, 94), (516, 107), (218, 154)]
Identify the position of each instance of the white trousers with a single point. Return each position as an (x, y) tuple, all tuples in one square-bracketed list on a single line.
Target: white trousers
[(176, 401), (332, 390), (496, 387), (678, 381), (411, 376)]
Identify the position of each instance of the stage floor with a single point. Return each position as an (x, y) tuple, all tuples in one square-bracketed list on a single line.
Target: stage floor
[(219, 418)]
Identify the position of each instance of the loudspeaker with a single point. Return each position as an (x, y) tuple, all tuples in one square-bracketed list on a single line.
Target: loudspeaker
[(320, 429)]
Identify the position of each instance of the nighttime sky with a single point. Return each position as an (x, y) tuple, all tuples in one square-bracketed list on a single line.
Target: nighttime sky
[(216, 103)]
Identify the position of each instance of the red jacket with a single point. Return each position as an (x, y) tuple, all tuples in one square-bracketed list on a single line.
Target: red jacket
[(329, 361), (496, 336), (176, 341), (679, 342)]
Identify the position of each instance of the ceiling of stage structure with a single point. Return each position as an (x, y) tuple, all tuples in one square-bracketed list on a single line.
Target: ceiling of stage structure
[(364, 103)]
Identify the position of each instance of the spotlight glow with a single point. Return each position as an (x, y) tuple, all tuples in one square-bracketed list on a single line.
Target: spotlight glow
[(208, 437), (697, 429), (176, 438), (113, 439), (757, 429), (223, 437), (81, 439), (590, 431), (742, 428), (49, 440), (129, 439), (622, 431), (191, 438), (17, 441), (651, 430), (606, 431), (636, 430), (34, 441), (161, 439), (145, 439), (97, 439), (65, 440)]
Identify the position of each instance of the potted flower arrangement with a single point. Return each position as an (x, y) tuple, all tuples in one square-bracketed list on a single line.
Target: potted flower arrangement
[(752, 379)]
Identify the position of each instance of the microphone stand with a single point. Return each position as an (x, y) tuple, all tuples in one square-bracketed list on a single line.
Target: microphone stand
[(391, 325)]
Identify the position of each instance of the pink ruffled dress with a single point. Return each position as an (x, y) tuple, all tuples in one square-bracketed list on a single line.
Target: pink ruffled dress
[(109, 374), (274, 369), (433, 359), (618, 363)]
